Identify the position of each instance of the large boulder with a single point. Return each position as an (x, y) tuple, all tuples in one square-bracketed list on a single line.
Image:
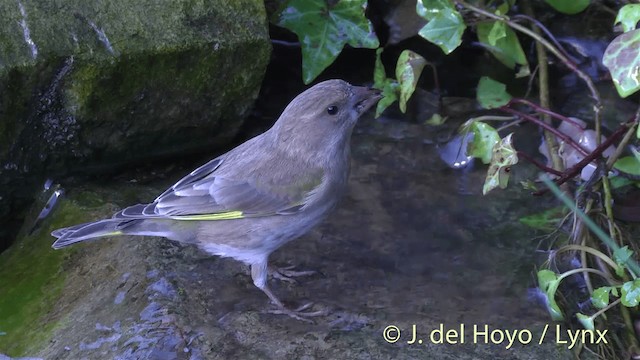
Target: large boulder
[(86, 86)]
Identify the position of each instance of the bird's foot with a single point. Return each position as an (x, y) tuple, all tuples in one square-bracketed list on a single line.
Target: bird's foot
[(288, 274), (301, 313)]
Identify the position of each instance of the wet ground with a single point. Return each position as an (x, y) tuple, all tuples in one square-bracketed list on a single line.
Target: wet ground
[(413, 242)]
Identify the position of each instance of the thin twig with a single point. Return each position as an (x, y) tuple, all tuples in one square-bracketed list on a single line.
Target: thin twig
[(545, 30), (575, 169), (546, 111), (548, 127)]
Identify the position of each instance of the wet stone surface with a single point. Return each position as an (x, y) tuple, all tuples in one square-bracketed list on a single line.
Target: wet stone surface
[(413, 242)]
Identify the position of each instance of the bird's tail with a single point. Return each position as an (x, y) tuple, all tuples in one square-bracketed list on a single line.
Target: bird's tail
[(116, 227), (87, 231)]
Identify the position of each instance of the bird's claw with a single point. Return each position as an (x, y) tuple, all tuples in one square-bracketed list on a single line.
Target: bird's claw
[(288, 274), (300, 313)]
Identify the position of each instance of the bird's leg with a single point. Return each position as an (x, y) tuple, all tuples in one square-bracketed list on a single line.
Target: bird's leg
[(288, 274), (259, 275)]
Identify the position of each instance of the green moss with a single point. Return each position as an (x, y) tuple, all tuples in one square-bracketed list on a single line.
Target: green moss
[(31, 279)]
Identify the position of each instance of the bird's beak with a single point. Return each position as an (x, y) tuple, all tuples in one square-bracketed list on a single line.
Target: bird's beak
[(365, 98)]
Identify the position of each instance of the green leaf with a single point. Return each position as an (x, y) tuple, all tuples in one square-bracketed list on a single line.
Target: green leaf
[(586, 321), (568, 6), (445, 24), (622, 254), (548, 282), (507, 48), (622, 58), (547, 220), (504, 7), (484, 138), (628, 16), (379, 74), (408, 70), (614, 292), (323, 31), (504, 156), (547, 279), (492, 94), (388, 86), (630, 293), (619, 181), (600, 297), (628, 164), (389, 96), (498, 31), (436, 120)]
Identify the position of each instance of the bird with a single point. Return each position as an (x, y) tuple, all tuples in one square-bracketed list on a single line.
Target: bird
[(262, 194)]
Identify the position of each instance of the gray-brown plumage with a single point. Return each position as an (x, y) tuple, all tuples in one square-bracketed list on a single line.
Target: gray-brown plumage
[(255, 198)]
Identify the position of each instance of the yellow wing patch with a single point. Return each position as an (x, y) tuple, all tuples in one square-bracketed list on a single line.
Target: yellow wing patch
[(228, 215)]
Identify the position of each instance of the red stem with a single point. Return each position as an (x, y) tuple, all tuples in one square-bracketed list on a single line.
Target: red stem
[(577, 168), (540, 109), (548, 127)]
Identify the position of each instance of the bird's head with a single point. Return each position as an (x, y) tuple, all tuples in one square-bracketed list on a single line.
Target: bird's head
[(322, 118)]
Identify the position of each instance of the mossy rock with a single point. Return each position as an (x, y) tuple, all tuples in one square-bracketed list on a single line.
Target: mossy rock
[(91, 87)]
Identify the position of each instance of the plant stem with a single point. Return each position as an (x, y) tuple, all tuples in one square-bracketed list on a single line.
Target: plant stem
[(591, 251), (545, 102), (602, 311), (529, 17), (548, 127), (542, 108), (577, 271), (625, 140), (575, 169), (632, 266)]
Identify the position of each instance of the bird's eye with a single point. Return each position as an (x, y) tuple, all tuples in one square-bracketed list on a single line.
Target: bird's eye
[(332, 110)]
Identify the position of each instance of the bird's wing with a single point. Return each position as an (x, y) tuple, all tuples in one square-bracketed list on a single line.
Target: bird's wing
[(207, 194)]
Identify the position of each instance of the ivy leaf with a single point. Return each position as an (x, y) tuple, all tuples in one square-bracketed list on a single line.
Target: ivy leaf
[(568, 7), (498, 31), (504, 7), (622, 58), (323, 31), (628, 16), (388, 86), (621, 256), (630, 293), (379, 75), (389, 96), (504, 155), (492, 94), (408, 70), (628, 164), (600, 297), (548, 282), (586, 321), (484, 138), (505, 48), (445, 24)]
